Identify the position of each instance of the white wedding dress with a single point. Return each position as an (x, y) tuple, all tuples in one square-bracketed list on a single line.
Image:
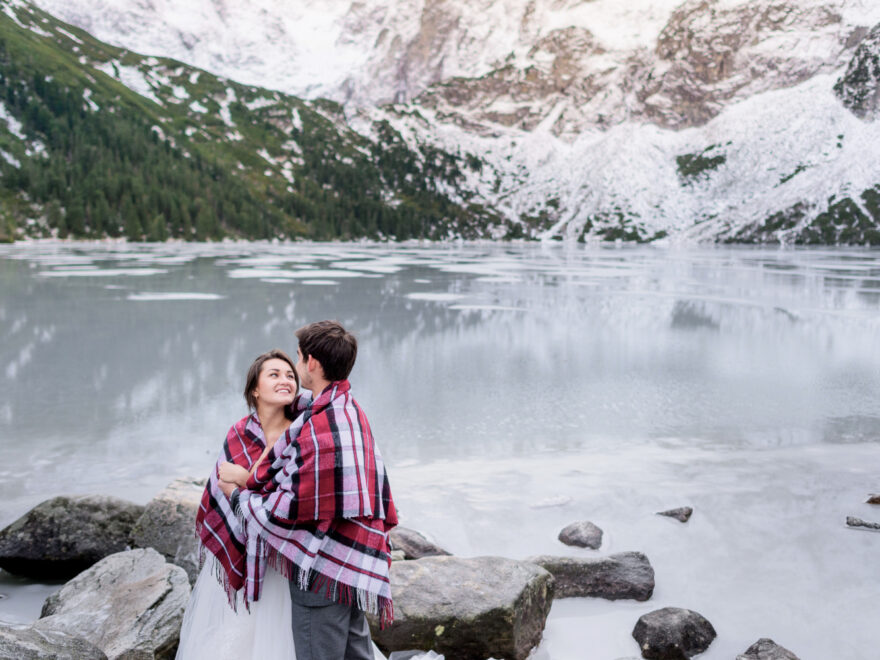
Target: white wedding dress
[(212, 630)]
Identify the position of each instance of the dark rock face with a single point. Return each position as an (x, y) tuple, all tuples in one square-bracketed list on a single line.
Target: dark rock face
[(682, 514), (130, 605), (20, 642), (168, 524), (767, 649), (414, 544), (673, 634), (619, 576), (65, 535), (582, 534), (467, 609), (859, 88)]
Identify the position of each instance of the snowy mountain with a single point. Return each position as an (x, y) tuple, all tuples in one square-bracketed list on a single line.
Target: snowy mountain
[(703, 119)]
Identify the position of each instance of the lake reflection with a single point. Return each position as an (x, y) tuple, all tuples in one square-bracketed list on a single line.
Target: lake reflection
[(127, 361)]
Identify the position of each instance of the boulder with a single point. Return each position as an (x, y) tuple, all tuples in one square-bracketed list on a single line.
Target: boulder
[(22, 642), (467, 609), (873, 498), (766, 649), (672, 633), (63, 536), (852, 521), (618, 576), (582, 534), (168, 524), (681, 514), (414, 544), (130, 605)]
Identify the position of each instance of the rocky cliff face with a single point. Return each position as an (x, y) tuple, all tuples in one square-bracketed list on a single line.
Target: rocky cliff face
[(859, 87)]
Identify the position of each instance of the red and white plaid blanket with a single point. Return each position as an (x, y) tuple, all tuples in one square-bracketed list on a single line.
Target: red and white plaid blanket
[(318, 508)]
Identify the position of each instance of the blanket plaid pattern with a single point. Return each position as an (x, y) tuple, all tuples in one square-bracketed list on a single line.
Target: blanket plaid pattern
[(319, 508), (219, 530)]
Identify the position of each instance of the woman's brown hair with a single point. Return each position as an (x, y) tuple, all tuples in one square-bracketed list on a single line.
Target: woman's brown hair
[(253, 376)]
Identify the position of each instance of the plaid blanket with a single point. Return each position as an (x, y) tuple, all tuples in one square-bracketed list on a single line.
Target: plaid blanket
[(319, 508), (220, 532)]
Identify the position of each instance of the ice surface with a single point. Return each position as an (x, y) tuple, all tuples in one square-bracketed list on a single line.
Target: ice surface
[(159, 296)]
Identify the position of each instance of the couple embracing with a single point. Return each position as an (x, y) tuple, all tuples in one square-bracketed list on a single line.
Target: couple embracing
[(294, 520)]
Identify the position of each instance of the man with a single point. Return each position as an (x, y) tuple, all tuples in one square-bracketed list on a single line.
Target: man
[(319, 508)]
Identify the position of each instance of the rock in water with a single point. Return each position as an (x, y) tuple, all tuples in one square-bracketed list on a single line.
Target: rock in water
[(21, 642), (622, 575), (852, 521), (873, 499), (767, 649), (468, 609), (859, 88), (169, 523), (672, 633), (681, 514), (65, 535), (582, 534), (129, 605), (414, 544)]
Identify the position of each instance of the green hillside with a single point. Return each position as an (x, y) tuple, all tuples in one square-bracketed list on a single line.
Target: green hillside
[(98, 141)]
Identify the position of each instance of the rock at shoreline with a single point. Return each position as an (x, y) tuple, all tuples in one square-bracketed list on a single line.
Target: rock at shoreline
[(22, 642), (672, 633), (852, 521), (681, 514), (582, 534), (168, 524), (767, 649), (873, 498), (130, 605), (414, 544), (618, 576), (63, 536), (468, 609)]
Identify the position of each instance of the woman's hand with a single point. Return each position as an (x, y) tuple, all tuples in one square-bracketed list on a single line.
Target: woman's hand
[(234, 474)]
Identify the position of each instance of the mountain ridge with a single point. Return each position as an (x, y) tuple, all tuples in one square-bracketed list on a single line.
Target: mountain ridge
[(712, 120)]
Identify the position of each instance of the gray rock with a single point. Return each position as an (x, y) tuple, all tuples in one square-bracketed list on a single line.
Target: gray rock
[(873, 498), (63, 536), (168, 524), (22, 642), (618, 576), (582, 534), (397, 555), (130, 605), (414, 544), (467, 609), (852, 521), (681, 514), (859, 87), (672, 633), (767, 649)]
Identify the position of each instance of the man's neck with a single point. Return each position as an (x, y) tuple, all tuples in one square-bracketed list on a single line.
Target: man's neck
[(318, 387)]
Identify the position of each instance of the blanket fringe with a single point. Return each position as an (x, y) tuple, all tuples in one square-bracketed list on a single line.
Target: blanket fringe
[(331, 589)]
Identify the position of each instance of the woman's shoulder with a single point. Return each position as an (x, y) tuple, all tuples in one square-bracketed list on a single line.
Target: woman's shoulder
[(238, 429)]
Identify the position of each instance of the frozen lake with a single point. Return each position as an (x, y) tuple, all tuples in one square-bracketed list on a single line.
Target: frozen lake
[(512, 389)]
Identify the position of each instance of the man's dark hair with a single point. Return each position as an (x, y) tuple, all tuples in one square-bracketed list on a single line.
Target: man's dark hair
[(331, 345)]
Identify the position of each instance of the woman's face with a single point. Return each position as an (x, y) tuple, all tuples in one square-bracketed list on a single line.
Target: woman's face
[(276, 385)]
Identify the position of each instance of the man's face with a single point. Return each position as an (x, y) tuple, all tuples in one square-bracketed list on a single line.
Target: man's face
[(302, 370)]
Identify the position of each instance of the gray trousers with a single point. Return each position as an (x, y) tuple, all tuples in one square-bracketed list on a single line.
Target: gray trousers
[(324, 630)]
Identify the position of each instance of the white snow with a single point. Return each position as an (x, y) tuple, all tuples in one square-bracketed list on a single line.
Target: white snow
[(12, 124), (9, 158), (131, 77), (197, 106)]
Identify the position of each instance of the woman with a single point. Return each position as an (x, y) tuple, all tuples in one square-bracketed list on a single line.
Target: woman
[(215, 624)]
